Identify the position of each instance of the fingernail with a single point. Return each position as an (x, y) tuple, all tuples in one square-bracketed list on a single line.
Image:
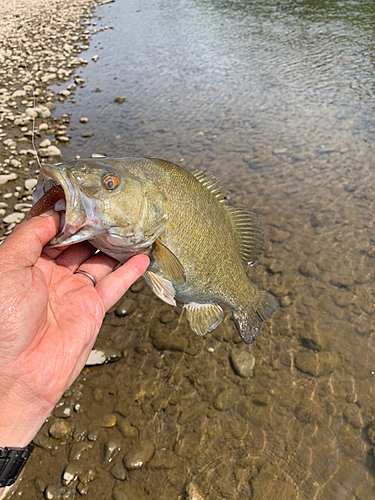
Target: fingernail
[(48, 213)]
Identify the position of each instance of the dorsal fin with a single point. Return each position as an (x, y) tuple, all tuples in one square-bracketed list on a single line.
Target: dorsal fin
[(210, 183), (249, 234), (247, 227)]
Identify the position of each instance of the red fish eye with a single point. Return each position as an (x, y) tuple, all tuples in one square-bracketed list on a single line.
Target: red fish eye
[(110, 181)]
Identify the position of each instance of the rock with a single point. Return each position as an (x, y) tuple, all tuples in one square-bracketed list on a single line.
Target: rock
[(120, 100), (164, 342), (43, 111), (58, 492), (167, 316), (309, 270), (165, 459), (63, 138), (95, 58), (15, 163), (86, 135), (307, 411), (15, 217), (108, 420), (118, 472), (125, 307), (84, 120), (71, 473), (102, 356), (97, 155), (138, 286), (77, 449), (352, 415), (60, 429), (63, 411), (93, 435), (30, 184), (4, 178), (19, 93), (285, 301), (31, 112), (242, 362), (371, 432), (43, 126), (226, 399), (126, 429), (53, 151), (316, 364), (344, 298), (45, 143), (139, 456), (110, 449)]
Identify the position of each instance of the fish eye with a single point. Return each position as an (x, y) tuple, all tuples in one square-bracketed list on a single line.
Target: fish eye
[(110, 181)]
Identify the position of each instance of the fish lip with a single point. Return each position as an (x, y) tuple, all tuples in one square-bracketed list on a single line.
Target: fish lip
[(68, 233)]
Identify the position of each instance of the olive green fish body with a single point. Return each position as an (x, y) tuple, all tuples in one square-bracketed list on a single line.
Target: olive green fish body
[(198, 243)]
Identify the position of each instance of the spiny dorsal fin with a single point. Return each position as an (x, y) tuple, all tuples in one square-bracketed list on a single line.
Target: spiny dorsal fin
[(249, 234), (169, 264), (210, 183)]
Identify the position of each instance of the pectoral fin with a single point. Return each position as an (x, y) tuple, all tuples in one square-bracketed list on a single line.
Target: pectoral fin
[(161, 287), (203, 318), (169, 264)]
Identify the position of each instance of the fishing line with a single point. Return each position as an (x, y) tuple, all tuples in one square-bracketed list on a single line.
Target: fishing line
[(30, 82)]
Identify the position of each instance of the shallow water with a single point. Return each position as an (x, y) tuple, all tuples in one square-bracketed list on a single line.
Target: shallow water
[(276, 99)]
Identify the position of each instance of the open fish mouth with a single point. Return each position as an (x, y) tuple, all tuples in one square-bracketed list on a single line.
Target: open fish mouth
[(55, 192)]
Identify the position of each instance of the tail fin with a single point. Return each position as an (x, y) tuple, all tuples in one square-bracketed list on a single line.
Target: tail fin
[(248, 322)]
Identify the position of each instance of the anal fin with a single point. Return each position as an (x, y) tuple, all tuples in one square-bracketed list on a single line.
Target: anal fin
[(203, 318), (161, 287)]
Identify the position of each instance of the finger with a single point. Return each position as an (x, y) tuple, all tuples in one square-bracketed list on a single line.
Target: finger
[(99, 266), (75, 255), (23, 246), (112, 287)]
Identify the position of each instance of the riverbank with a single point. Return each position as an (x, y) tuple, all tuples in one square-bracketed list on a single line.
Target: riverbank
[(52, 34)]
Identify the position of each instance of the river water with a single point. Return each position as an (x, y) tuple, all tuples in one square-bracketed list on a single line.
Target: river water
[(276, 99)]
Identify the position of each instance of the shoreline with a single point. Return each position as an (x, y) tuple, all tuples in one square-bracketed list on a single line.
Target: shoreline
[(53, 34)]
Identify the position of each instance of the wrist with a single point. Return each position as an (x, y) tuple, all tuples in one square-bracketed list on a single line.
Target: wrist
[(21, 416)]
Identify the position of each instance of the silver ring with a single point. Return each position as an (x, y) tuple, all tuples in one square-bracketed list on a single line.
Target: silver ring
[(88, 275)]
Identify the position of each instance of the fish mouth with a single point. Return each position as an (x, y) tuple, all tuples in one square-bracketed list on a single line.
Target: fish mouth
[(55, 191)]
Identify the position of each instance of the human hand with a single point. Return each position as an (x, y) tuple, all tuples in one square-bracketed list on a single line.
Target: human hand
[(50, 318)]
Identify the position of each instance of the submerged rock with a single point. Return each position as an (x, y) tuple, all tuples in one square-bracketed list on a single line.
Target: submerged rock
[(242, 362), (139, 456)]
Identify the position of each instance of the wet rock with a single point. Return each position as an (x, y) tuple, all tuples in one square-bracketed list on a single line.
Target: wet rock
[(77, 449), (45, 143), (60, 429), (126, 429), (226, 399), (353, 416), (15, 218), (110, 449), (316, 364), (138, 286), (344, 298), (242, 362), (350, 442), (4, 178), (191, 413), (118, 472), (58, 492), (87, 476), (285, 301), (139, 456), (43, 111), (371, 432), (93, 435), (84, 120), (108, 420), (144, 348), (309, 270), (125, 307), (167, 316), (71, 473), (63, 411), (165, 342), (120, 100), (82, 489), (308, 411), (101, 356), (95, 58), (192, 492)]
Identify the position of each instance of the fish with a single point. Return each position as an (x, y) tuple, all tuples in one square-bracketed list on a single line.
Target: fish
[(199, 245)]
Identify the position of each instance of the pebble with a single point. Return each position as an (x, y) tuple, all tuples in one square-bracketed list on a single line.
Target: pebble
[(63, 411), (140, 456), (45, 143), (242, 362), (58, 492), (102, 356), (97, 155), (15, 163), (71, 473), (108, 420), (138, 286), (118, 472), (95, 58), (60, 429), (126, 429), (93, 435), (110, 449), (285, 301), (30, 184), (15, 217), (4, 178), (316, 364), (84, 120), (125, 307), (120, 100), (43, 126), (43, 111), (77, 449), (226, 399)]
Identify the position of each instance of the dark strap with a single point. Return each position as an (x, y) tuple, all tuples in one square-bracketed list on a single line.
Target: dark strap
[(12, 461)]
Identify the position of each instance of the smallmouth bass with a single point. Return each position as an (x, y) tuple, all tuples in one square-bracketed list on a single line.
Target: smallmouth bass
[(197, 242)]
